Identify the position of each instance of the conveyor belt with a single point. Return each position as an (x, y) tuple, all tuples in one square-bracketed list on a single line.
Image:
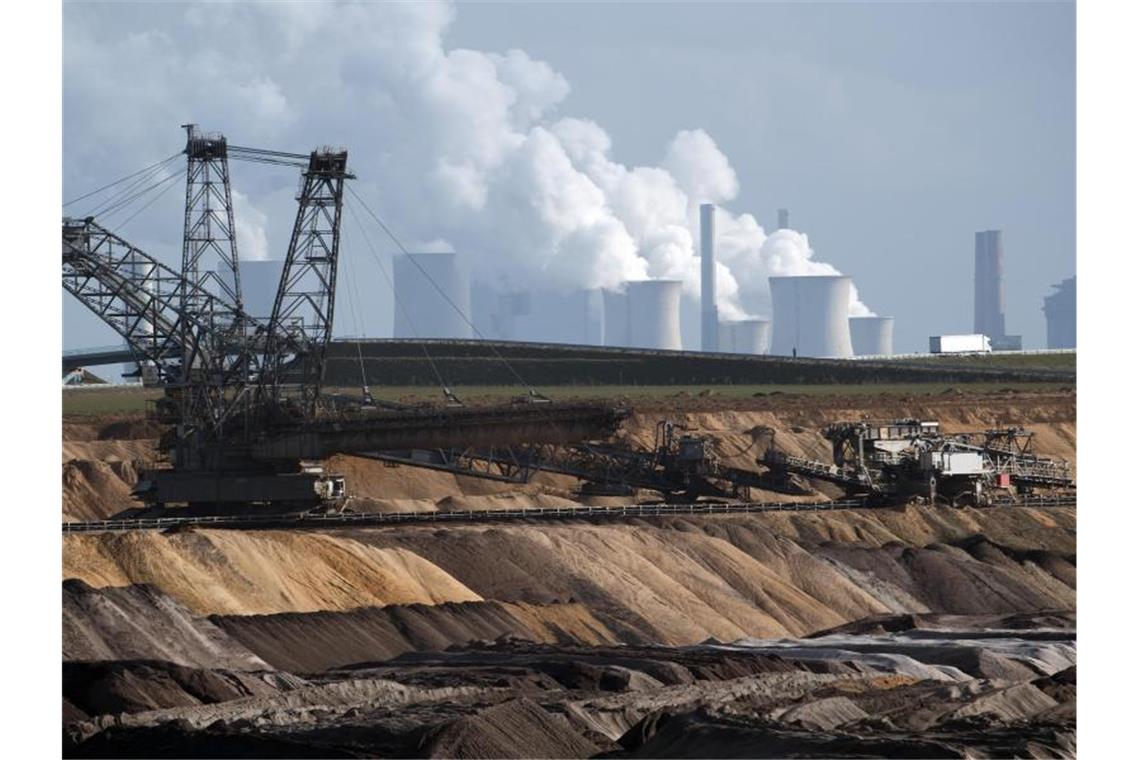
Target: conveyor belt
[(310, 521)]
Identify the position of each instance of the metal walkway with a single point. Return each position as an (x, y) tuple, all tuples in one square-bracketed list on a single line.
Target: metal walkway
[(309, 521)]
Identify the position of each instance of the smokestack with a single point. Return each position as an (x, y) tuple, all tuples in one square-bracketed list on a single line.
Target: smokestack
[(745, 336), (615, 312), (709, 320), (782, 219), (872, 336), (422, 311), (655, 314), (989, 293), (809, 316)]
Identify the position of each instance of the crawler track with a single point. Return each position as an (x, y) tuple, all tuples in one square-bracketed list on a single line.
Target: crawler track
[(311, 521)]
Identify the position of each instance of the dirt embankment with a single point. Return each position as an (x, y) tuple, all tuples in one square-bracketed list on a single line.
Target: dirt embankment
[(672, 581), (101, 458)]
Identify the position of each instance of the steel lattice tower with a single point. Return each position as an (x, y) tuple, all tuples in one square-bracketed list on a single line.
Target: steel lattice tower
[(306, 294), (209, 227)]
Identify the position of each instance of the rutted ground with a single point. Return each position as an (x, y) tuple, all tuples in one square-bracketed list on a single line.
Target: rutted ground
[(931, 687)]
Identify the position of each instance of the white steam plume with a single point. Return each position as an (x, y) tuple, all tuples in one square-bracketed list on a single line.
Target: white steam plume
[(464, 148), (249, 229)]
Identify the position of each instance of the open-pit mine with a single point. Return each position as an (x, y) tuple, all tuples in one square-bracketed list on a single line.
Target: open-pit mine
[(907, 627)]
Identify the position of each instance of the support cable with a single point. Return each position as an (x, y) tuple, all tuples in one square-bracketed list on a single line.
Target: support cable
[(353, 296), (122, 179), (114, 208), (146, 205), (464, 317), (125, 192)]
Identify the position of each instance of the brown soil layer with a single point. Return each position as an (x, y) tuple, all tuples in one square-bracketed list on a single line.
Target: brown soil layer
[(675, 581), (515, 699)]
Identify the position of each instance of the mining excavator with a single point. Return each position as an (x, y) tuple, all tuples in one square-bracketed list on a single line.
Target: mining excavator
[(901, 459), (245, 416)]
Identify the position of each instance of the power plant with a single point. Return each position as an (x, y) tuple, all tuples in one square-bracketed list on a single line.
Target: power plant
[(745, 336), (809, 316), (546, 316), (654, 308), (432, 296), (1061, 315), (872, 336)]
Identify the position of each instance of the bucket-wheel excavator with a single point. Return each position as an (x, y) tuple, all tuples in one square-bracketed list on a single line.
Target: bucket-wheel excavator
[(244, 414)]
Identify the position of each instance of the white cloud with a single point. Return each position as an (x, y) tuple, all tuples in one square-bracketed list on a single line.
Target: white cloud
[(464, 148)]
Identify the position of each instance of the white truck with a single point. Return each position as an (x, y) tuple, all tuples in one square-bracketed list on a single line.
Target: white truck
[(960, 344)]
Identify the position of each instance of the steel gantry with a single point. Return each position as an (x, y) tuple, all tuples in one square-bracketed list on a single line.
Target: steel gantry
[(242, 397)]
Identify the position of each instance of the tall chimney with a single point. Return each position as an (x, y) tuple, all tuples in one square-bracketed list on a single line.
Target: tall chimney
[(989, 295), (781, 219), (709, 322)]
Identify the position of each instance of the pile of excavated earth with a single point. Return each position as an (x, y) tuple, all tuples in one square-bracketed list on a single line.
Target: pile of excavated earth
[(913, 631)]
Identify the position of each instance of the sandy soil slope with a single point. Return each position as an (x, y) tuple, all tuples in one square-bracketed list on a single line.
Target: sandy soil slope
[(675, 581)]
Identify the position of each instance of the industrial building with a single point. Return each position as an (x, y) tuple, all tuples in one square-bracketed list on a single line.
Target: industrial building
[(745, 336), (1061, 315), (615, 313), (709, 320), (989, 290), (809, 316), (432, 296), (654, 309), (872, 336), (540, 316)]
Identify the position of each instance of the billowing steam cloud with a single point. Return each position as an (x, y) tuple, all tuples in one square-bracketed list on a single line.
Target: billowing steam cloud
[(249, 229), (463, 148)]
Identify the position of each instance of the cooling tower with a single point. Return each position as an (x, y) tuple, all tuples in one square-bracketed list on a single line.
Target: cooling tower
[(709, 326), (781, 219), (655, 314), (422, 310), (615, 310), (809, 316), (872, 336), (745, 336)]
